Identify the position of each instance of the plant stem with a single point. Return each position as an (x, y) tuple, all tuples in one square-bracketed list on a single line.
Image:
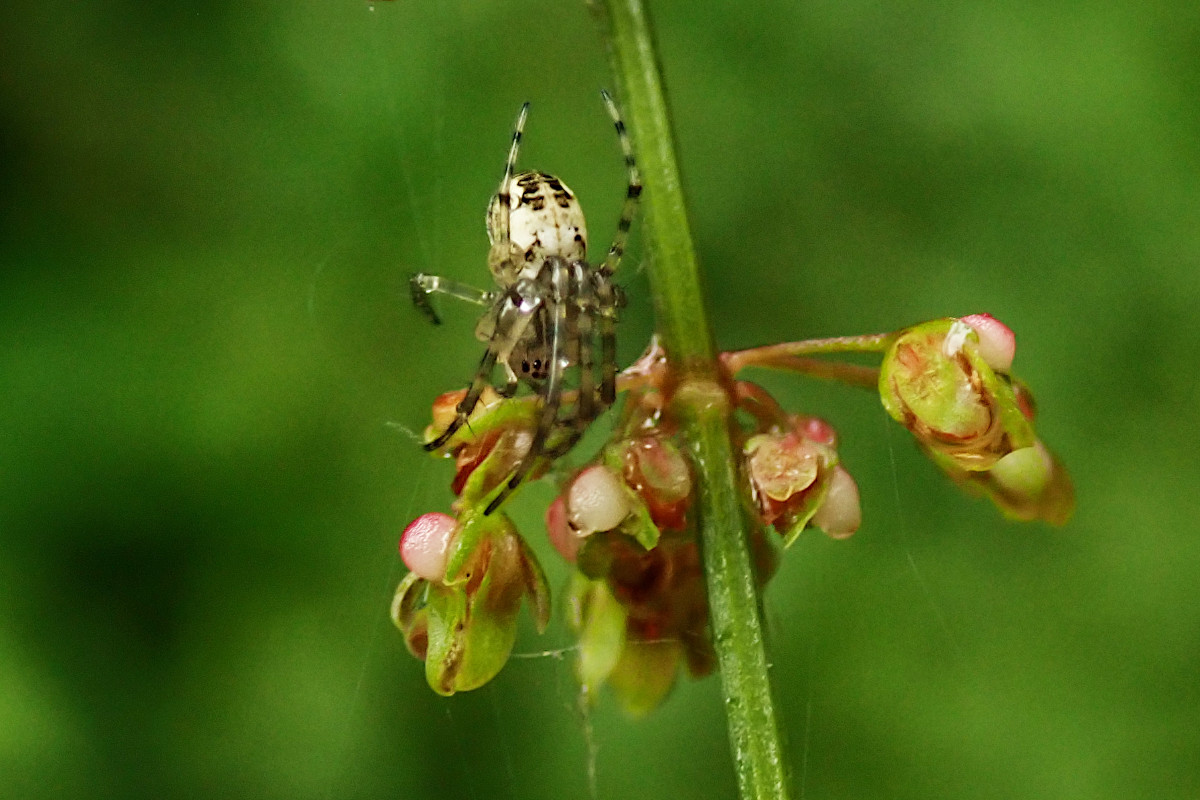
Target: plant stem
[(701, 402), (774, 354), (840, 371)]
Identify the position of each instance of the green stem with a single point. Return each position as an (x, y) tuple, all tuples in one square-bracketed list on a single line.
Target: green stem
[(840, 371), (701, 402), (783, 353)]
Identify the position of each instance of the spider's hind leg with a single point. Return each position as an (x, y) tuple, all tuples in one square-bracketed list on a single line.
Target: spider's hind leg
[(633, 190), (556, 335)]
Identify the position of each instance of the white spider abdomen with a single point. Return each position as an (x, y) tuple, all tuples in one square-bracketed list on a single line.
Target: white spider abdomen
[(545, 219)]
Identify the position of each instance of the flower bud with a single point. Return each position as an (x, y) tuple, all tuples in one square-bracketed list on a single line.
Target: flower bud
[(596, 501), (936, 382), (655, 469), (1025, 471), (939, 379), (997, 342), (840, 513), (791, 473), (464, 622), (425, 544), (489, 447), (1027, 484), (445, 409), (565, 539)]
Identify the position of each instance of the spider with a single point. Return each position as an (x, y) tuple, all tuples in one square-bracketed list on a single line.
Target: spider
[(549, 307)]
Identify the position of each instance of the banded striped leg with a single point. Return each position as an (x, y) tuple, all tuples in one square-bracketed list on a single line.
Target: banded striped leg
[(560, 278), (422, 285), (606, 309), (503, 198), (512, 320), (483, 377), (583, 307), (632, 192)]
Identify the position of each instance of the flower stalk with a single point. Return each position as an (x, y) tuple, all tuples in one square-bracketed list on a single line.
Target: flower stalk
[(701, 405)]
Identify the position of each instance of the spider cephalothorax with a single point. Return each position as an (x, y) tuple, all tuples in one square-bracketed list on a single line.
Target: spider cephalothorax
[(550, 308)]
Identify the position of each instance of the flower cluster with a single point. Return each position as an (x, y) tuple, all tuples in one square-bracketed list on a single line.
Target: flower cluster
[(948, 382), (637, 599), (625, 524), (457, 607)]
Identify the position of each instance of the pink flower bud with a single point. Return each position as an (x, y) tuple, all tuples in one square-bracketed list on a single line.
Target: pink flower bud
[(840, 513), (596, 500), (997, 342), (818, 430), (426, 543)]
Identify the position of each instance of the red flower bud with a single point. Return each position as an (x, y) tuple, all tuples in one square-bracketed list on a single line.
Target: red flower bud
[(658, 472)]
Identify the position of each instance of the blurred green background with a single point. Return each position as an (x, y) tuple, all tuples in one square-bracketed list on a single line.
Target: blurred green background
[(208, 363)]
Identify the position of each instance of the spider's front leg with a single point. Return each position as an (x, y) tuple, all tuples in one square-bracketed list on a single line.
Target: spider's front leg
[(483, 377), (510, 319), (422, 285)]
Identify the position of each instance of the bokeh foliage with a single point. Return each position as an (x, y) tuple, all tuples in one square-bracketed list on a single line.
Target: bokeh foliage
[(209, 212)]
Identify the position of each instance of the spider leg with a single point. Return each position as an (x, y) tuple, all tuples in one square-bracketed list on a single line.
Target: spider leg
[(584, 308), (632, 192), (470, 400), (608, 298), (513, 317), (559, 281), (586, 407), (510, 384), (422, 285), (503, 198), (569, 439)]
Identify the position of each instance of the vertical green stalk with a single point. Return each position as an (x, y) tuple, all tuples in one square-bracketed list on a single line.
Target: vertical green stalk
[(701, 403)]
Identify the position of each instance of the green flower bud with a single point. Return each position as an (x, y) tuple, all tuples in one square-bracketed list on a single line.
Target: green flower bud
[(939, 379), (936, 382), (1027, 484)]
